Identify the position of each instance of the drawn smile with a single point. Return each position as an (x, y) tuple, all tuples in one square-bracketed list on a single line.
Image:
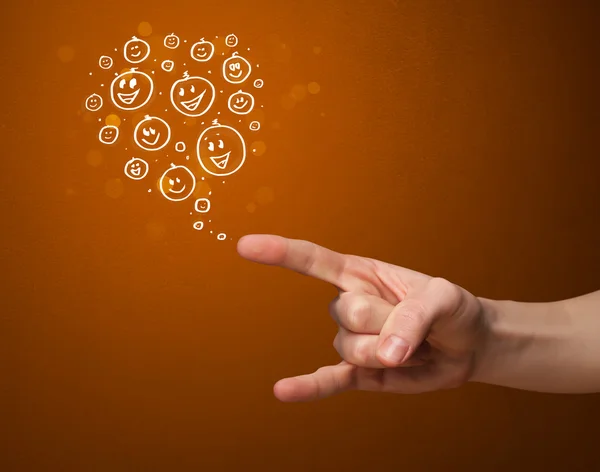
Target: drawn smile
[(136, 54), (192, 105), (136, 172), (151, 143), (221, 161), (128, 98), (236, 76), (178, 191)]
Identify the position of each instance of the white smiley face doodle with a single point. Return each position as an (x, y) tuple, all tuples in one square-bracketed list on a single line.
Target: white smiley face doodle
[(152, 133), (105, 62), (131, 90), (136, 50), (202, 51), (241, 103), (254, 126), (221, 150), (192, 96), (177, 183), (258, 83), (93, 102), (136, 169), (167, 65), (231, 40), (171, 41), (108, 134), (202, 205), (236, 69)]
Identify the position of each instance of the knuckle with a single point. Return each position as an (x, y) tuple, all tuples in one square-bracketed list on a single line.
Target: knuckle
[(414, 313), (443, 287), (360, 354), (449, 295), (358, 314)]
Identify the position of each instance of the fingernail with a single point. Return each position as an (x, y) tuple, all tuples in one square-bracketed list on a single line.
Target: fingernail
[(394, 349)]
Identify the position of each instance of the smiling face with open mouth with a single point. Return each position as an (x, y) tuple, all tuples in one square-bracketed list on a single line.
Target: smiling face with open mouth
[(152, 133), (221, 150), (192, 96), (131, 90), (136, 169)]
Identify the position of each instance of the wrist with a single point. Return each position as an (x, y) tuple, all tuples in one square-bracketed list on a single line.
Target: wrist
[(524, 345)]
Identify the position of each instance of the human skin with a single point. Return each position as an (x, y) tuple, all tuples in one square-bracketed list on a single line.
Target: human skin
[(402, 331)]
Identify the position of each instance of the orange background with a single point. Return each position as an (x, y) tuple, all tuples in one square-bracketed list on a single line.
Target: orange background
[(458, 138)]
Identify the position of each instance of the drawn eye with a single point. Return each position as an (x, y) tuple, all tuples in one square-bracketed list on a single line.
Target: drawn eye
[(145, 132), (178, 180), (152, 130), (192, 89), (181, 92), (171, 182), (211, 146), (122, 83), (221, 145)]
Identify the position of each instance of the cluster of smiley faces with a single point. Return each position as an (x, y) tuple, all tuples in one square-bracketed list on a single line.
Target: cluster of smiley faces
[(220, 149), (191, 96)]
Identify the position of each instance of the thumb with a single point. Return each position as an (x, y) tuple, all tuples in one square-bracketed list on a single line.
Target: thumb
[(411, 321)]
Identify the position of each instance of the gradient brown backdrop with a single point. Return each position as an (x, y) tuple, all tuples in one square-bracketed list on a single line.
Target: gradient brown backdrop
[(458, 138)]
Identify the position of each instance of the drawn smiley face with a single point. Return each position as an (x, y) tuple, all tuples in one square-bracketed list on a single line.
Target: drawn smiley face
[(136, 50), (105, 62), (231, 41), (171, 41), (93, 102), (192, 96), (177, 183), (241, 103), (152, 133), (131, 90), (236, 69), (202, 51), (136, 169), (167, 65), (221, 150), (202, 205), (108, 134)]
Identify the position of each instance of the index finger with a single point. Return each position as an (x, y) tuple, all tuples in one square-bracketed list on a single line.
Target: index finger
[(300, 256)]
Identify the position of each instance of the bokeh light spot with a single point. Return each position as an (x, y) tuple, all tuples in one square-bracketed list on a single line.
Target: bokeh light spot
[(202, 189), (114, 188), (265, 195), (113, 120), (298, 92), (94, 158), (251, 207), (145, 28), (258, 148), (66, 54), (314, 88)]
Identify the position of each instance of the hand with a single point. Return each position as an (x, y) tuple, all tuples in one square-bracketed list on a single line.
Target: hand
[(399, 330)]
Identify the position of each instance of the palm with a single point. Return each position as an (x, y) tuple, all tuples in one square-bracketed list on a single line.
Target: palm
[(445, 357)]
